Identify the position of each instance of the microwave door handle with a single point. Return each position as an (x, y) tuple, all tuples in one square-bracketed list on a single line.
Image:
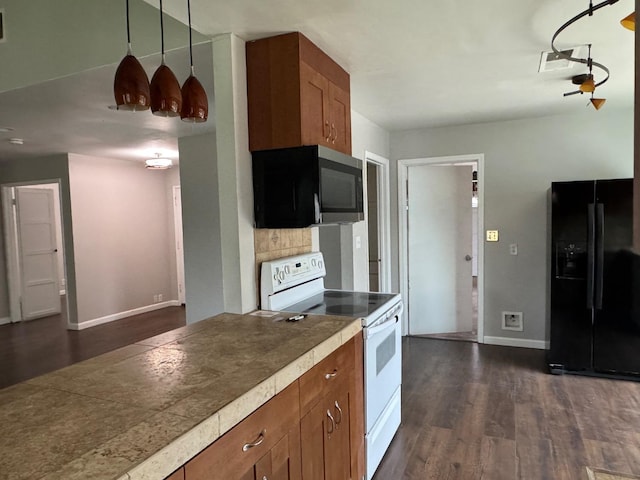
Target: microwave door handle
[(381, 327)]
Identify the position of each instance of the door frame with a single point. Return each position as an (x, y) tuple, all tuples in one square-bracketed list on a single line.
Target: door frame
[(179, 241), (403, 237), (11, 245), (384, 216)]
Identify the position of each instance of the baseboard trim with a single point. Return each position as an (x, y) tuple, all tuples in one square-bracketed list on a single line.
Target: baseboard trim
[(517, 342), (118, 316), (5, 320)]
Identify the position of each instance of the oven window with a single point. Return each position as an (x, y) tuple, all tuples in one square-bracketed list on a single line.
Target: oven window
[(385, 351)]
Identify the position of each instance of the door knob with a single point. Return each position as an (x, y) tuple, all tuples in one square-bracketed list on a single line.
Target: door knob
[(468, 258)]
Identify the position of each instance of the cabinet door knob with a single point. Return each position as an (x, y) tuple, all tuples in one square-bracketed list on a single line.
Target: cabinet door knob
[(339, 416), (331, 375), (332, 424), (259, 439)]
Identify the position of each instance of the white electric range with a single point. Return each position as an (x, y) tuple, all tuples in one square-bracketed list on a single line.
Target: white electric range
[(296, 284)]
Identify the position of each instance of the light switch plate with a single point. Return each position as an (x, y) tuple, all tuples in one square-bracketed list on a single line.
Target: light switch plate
[(492, 235)]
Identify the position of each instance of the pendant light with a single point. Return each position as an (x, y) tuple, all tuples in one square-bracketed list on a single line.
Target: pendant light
[(195, 106), (629, 21), (131, 84), (166, 99)]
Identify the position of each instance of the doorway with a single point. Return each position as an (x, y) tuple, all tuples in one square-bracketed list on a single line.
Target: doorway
[(376, 173), (437, 258), (34, 251)]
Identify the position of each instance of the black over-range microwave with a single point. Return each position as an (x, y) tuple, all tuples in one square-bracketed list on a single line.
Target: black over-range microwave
[(303, 186)]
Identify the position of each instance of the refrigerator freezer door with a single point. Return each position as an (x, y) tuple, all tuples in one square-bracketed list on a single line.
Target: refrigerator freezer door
[(571, 285), (616, 340)]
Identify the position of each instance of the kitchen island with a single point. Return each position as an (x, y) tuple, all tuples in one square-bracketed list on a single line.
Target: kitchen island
[(144, 410)]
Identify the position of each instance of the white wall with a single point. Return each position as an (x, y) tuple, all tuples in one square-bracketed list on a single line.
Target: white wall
[(120, 229), (366, 136), (522, 158)]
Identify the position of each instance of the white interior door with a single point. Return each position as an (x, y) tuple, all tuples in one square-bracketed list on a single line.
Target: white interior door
[(439, 249), (177, 223), (37, 252)]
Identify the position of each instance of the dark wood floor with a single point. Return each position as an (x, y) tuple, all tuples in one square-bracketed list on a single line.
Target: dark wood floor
[(31, 348), (474, 411)]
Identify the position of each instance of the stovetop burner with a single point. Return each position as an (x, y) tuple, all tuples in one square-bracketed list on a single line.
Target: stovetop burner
[(339, 302)]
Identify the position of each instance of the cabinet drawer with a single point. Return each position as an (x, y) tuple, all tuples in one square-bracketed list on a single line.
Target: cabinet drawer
[(326, 375), (242, 446)]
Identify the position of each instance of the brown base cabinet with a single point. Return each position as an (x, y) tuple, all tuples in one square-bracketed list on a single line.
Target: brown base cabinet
[(313, 430)]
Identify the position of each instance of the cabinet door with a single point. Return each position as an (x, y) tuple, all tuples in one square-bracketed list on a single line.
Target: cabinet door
[(339, 119), (314, 105), (325, 438)]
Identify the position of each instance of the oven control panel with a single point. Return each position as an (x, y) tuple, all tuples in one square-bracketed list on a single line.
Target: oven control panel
[(284, 272)]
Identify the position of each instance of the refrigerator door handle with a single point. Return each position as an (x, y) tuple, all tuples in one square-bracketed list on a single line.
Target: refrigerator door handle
[(591, 245), (599, 254)]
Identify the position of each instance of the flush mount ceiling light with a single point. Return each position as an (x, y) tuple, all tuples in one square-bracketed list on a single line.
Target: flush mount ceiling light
[(588, 84), (166, 98), (158, 163), (131, 84), (195, 106), (629, 21)]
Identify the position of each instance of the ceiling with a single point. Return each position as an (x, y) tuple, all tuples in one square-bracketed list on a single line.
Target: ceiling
[(413, 64)]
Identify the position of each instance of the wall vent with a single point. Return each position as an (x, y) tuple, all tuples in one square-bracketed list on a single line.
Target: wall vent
[(512, 321), (551, 61), (3, 35)]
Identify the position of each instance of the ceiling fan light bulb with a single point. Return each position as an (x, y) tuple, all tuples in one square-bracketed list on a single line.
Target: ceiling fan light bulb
[(629, 22), (588, 86)]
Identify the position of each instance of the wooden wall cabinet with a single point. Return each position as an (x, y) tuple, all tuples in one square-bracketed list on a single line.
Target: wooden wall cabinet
[(313, 430), (297, 95)]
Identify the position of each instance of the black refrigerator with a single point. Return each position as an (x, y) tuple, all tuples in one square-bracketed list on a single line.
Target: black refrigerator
[(594, 302)]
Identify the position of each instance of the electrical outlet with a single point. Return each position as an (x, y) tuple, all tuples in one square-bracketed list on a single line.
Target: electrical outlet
[(492, 235), (159, 297), (155, 299), (513, 249), (512, 321)]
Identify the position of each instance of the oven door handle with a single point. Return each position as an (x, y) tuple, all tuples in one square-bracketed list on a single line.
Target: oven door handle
[(381, 327)]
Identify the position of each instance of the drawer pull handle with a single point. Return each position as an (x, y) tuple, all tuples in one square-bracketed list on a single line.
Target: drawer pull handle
[(331, 375), (255, 443), (333, 423), (339, 410)]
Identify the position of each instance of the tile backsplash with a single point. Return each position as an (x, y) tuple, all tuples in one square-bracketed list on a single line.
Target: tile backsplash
[(277, 243)]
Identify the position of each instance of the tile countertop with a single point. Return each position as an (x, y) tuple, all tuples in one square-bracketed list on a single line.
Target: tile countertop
[(142, 411)]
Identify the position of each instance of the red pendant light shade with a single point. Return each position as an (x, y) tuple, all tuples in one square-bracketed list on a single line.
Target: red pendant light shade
[(131, 84), (166, 98), (195, 106)]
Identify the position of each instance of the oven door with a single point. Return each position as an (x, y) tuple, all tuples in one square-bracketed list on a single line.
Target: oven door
[(382, 365)]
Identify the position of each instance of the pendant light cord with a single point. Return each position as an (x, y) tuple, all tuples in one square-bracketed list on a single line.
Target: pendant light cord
[(190, 39), (128, 31), (161, 32)]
